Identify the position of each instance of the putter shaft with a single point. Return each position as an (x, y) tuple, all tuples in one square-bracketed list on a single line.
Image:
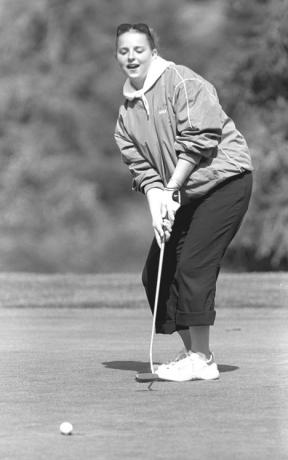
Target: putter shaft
[(160, 265)]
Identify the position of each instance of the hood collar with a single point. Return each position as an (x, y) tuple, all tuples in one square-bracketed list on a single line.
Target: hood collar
[(157, 67)]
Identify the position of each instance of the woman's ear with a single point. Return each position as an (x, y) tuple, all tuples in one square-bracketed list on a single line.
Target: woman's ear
[(154, 52)]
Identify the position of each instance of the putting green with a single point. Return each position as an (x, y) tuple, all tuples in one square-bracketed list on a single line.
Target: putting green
[(78, 365)]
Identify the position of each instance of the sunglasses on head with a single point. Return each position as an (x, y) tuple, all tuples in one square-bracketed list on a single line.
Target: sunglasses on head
[(140, 27)]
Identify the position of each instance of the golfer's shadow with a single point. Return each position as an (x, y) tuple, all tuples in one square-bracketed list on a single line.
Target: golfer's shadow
[(136, 366), (140, 366)]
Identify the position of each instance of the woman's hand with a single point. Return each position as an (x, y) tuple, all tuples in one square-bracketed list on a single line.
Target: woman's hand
[(161, 225), (169, 206)]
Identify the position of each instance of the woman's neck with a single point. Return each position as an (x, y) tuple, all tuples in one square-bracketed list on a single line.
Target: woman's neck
[(137, 84)]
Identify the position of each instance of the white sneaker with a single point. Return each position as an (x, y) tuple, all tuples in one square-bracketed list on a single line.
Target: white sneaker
[(182, 354), (192, 367)]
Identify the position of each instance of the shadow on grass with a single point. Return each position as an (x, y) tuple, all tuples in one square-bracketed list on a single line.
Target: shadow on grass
[(137, 366), (227, 368), (140, 366)]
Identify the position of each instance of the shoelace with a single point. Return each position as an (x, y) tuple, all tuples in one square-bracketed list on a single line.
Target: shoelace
[(181, 355), (178, 358), (193, 357)]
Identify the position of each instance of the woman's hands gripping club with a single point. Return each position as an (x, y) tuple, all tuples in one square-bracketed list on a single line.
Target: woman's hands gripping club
[(163, 209)]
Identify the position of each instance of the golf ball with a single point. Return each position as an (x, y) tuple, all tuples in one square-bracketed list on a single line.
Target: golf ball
[(66, 428)]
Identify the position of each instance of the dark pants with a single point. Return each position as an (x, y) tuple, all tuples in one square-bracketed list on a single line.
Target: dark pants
[(201, 234)]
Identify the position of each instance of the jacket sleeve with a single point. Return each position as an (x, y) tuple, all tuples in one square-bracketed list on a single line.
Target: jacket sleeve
[(144, 175), (198, 120)]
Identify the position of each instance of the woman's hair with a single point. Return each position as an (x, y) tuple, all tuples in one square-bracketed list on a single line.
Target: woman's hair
[(140, 27)]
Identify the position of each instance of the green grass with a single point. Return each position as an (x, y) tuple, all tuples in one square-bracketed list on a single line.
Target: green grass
[(259, 290), (79, 364)]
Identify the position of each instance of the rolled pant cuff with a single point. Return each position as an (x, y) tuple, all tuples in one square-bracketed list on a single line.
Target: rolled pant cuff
[(206, 318), (166, 328)]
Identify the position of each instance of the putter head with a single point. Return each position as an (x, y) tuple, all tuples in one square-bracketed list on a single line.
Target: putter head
[(146, 377)]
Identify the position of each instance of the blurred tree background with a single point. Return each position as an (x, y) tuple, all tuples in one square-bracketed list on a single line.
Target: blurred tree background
[(65, 202)]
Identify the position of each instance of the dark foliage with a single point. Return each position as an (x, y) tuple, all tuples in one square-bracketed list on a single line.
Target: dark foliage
[(65, 196)]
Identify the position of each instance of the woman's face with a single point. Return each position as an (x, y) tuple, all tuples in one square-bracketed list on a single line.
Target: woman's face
[(134, 56)]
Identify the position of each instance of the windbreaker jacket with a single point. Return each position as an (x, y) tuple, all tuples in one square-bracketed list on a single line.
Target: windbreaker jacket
[(184, 119)]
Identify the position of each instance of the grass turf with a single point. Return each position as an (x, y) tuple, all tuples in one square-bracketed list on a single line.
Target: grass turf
[(125, 290), (79, 364)]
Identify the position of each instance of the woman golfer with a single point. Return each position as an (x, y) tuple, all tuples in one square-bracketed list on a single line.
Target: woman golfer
[(178, 142)]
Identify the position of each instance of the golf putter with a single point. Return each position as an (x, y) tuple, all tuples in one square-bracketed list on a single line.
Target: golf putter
[(151, 376)]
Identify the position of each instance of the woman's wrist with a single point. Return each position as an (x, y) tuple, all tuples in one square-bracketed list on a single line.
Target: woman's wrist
[(170, 189), (172, 185)]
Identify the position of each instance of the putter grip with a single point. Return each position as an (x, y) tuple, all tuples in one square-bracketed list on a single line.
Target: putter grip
[(176, 196)]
